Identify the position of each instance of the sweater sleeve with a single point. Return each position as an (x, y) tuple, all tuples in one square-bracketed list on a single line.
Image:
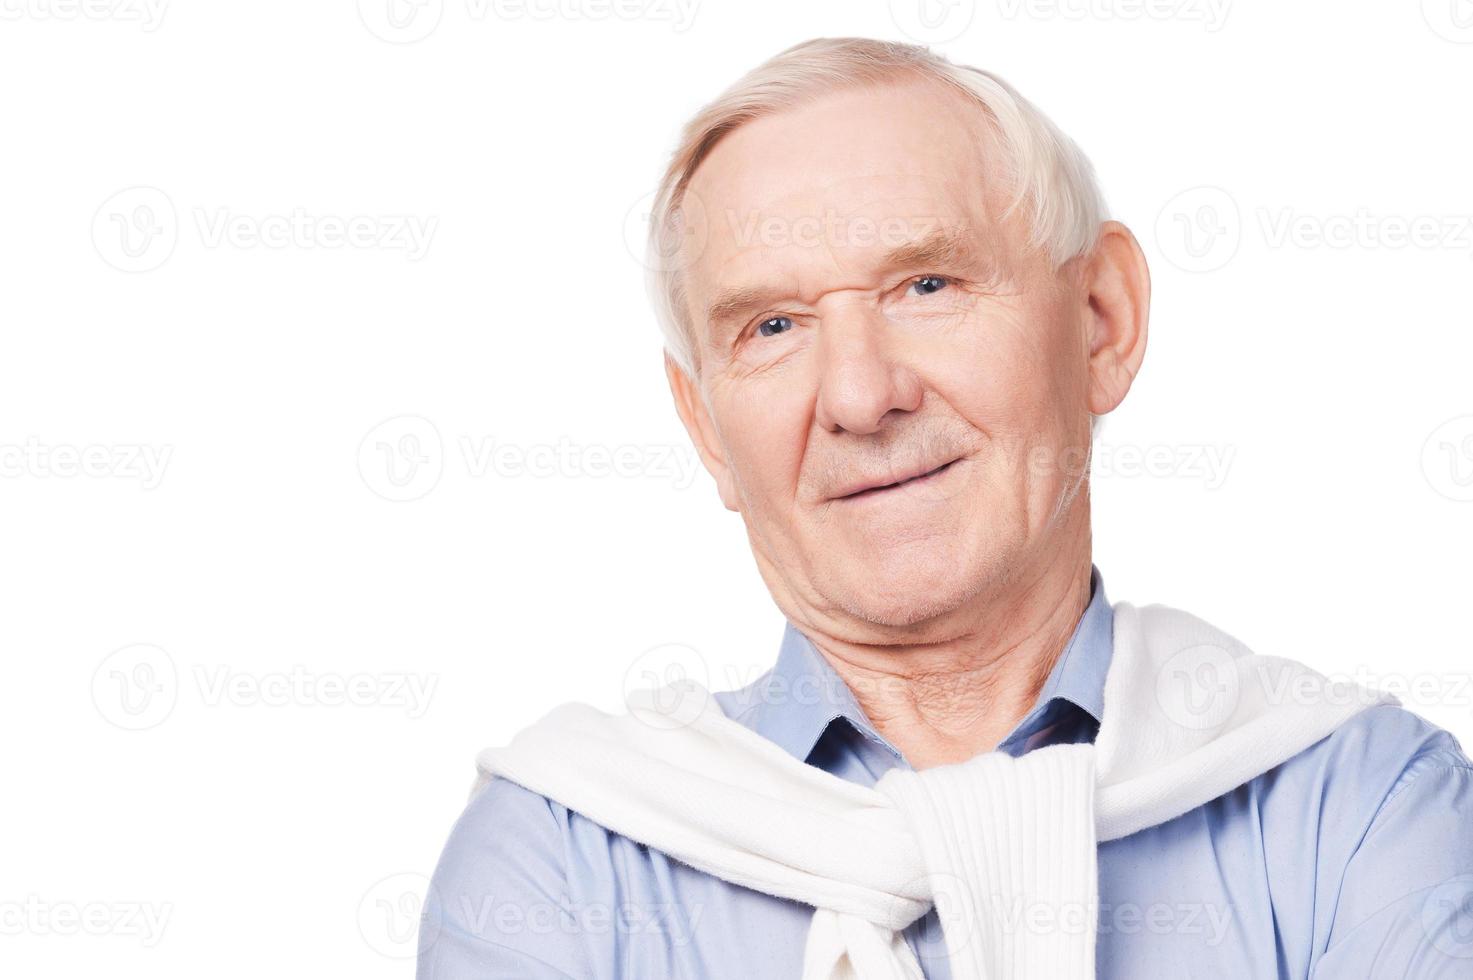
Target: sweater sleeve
[(496, 902)]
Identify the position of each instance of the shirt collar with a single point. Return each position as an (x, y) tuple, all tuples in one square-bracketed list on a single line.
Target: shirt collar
[(795, 702)]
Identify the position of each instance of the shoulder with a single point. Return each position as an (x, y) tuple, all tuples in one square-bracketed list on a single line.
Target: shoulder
[(1391, 798), (501, 888), (1377, 755), (507, 841), (508, 831), (1364, 776), (517, 815)]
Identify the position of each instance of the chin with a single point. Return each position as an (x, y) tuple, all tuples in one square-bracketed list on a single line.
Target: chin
[(905, 590)]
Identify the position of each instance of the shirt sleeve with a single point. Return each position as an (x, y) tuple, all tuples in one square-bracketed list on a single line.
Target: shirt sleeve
[(1405, 905), (498, 900)]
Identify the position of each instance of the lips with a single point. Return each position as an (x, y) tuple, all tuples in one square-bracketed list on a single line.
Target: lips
[(889, 481)]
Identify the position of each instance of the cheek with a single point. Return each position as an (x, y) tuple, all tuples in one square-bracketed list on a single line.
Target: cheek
[(765, 428), (1006, 373)]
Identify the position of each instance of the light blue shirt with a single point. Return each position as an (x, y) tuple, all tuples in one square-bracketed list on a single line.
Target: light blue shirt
[(1352, 859)]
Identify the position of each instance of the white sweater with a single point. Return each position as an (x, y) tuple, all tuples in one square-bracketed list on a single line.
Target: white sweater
[(1004, 848)]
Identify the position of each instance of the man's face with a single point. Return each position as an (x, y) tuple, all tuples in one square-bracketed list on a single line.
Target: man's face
[(849, 349)]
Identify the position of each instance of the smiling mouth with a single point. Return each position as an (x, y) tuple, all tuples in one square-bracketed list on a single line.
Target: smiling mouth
[(876, 491)]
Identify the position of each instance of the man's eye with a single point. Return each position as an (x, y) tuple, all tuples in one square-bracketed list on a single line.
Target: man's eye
[(774, 325), (926, 285)]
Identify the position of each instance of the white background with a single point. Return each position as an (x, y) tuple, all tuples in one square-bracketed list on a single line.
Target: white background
[(173, 631)]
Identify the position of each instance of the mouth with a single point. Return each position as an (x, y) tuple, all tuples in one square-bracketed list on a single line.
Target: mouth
[(874, 489)]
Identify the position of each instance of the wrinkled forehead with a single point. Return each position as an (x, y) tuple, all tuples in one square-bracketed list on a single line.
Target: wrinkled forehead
[(816, 198)]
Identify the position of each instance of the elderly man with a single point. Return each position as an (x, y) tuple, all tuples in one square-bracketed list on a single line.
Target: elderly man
[(894, 308)]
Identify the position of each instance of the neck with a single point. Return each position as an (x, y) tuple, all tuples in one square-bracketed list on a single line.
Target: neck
[(947, 701)]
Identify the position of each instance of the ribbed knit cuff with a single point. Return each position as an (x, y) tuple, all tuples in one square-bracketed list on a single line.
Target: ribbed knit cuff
[(1009, 849)]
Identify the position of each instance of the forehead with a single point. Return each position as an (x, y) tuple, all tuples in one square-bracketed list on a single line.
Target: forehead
[(808, 199)]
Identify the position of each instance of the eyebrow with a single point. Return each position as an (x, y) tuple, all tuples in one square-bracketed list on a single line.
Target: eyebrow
[(942, 248)]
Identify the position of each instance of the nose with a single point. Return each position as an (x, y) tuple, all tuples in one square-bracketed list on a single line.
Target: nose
[(861, 377)]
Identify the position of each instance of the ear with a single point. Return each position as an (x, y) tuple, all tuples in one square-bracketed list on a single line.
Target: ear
[(1117, 284), (697, 421)]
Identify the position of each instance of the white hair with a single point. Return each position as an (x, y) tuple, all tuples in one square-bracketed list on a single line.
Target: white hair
[(1050, 175)]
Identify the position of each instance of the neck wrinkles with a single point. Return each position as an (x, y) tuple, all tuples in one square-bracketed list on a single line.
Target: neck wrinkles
[(948, 701)]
